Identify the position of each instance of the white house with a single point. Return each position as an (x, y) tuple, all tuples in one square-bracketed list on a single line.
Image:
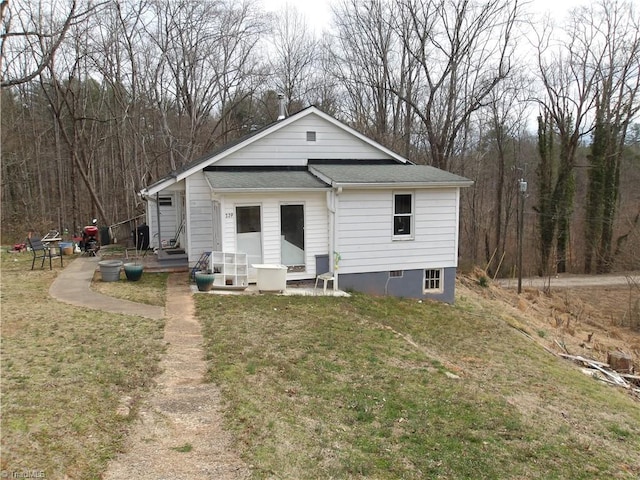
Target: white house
[(315, 195)]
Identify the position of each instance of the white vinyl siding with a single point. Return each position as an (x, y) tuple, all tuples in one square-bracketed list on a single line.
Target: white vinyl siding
[(169, 217), (289, 146), (316, 225), (200, 217), (168, 222), (365, 237)]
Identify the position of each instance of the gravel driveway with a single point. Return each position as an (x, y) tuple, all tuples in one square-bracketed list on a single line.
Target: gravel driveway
[(567, 280)]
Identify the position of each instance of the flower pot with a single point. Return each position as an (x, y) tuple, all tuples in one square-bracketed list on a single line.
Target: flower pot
[(204, 281), (133, 271), (110, 270)]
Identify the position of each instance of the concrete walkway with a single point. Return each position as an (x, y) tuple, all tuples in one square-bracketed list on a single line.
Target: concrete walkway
[(178, 432), (72, 286)]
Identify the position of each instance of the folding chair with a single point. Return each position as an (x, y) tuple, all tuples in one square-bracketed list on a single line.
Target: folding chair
[(43, 251)]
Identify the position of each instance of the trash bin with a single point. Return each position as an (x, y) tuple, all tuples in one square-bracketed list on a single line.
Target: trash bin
[(110, 270), (105, 238), (271, 277), (142, 237)]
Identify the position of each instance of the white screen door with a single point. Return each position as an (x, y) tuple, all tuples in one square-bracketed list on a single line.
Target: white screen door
[(249, 235)]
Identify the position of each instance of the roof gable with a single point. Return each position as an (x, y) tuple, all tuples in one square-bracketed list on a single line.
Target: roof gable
[(272, 152)]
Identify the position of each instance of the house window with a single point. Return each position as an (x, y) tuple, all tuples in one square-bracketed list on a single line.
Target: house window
[(433, 280), (403, 215), (311, 136), (165, 201), (248, 219), (395, 274)]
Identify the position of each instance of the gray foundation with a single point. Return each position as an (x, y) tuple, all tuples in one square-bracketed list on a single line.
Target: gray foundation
[(409, 285)]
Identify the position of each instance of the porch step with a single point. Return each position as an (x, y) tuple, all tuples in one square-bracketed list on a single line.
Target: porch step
[(171, 252), (172, 258)]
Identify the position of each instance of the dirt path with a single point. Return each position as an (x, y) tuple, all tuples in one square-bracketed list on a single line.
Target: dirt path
[(179, 434)]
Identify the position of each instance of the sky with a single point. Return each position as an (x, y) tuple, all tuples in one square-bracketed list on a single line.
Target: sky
[(318, 12)]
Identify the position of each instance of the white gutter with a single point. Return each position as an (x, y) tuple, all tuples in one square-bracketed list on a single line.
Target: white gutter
[(332, 206), (158, 186), (396, 185), (158, 215), (267, 190)]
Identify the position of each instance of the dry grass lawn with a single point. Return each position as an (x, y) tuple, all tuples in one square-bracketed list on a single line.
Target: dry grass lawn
[(389, 388), (64, 370), (320, 387)]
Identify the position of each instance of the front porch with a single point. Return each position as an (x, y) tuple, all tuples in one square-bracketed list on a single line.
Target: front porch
[(176, 261), (294, 288), (169, 260)]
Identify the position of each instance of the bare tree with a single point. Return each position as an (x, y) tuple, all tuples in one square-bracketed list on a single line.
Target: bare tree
[(590, 76), (612, 33), (38, 37), (463, 50), (294, 61), (33, 32), (26, 138), (505, 142), (204, 64), (76, 102), (545, 206), (373, 67), (325, 92), (118, 53), (567, 101)]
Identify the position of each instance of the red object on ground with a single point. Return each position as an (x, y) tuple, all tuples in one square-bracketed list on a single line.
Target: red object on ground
[(20, 247), (91, 231)]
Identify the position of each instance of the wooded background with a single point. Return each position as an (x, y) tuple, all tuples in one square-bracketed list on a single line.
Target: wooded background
[(101, 99)]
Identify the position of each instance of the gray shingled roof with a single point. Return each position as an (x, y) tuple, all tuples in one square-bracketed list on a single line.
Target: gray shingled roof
[(387, 175), (336, 175), (263, 180)]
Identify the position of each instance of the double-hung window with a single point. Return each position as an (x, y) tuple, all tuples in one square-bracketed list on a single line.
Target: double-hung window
[(402, 216)]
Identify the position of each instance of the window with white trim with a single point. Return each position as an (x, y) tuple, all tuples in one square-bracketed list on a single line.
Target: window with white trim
[(165, 201), (403, 215), (433, 280)]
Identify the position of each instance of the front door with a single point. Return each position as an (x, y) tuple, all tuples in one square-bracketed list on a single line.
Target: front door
[(249, 235)]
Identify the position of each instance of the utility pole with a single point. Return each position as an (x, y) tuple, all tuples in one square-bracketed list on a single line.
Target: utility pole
[(522, 188)]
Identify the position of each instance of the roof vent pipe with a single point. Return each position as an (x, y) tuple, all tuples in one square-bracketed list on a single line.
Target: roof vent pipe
[(282, 109)]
